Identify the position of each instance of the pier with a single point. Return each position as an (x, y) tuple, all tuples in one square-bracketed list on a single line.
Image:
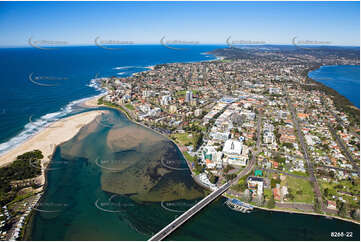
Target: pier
[(189, 213)]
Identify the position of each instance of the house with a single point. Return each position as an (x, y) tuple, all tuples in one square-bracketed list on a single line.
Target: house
[(268, 137), (276, 194), (331, 205), (284, 191)]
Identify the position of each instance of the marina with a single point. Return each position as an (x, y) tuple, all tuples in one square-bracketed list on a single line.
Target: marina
[(239, 206)]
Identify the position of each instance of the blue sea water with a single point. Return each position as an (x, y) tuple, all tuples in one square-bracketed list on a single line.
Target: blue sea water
[(65, 74), (345, 79)]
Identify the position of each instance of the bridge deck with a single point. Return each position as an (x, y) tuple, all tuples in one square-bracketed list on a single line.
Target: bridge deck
[(189, 213)]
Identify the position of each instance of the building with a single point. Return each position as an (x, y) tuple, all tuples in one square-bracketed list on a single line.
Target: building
[(172, 108), (220, 136), (189, 96), (273, 90), (198, 112), (237, 154), (255, 184), (268, 138), (165, 100), (276, 193), (212, 158), (331, 205), (232, 147)]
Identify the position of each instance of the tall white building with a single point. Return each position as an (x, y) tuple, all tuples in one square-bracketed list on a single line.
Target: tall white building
[(189, 96), (165, 100)]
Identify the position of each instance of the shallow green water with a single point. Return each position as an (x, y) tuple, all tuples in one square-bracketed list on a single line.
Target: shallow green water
[(109, 184)]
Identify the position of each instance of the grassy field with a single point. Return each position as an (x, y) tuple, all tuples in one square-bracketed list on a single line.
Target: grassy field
[(267, 193), (189, 157), (299, 173), (183, 93), (301, 189), (129, 106), (184, 139)]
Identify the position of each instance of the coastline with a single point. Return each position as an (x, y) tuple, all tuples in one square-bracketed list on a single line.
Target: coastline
[(319, 67), (302, 212), (47, 139)]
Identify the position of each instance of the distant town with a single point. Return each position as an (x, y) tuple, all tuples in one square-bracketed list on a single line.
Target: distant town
[(253, 117)]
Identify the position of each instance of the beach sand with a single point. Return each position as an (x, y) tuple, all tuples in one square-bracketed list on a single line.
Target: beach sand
[(50, 137), (93, 102)]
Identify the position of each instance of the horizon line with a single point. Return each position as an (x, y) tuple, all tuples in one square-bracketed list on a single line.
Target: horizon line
[(198, 44)]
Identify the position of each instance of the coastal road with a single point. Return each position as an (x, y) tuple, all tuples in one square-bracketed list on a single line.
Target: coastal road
[(189, 213)]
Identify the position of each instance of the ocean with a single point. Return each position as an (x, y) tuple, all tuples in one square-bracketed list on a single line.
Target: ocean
[(345, 79), (41, 86)]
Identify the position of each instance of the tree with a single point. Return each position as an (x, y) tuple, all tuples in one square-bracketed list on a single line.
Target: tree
[(317, 205), (212, 178), (197, 166), (197, 140), (271, 202), (228, 168), (230, 176), (325, 192), (355, 214), (342, 210)]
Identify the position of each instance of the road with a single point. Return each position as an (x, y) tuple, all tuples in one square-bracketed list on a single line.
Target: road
[(285, 173), (340, 169), (338, 119), (251, 164), (188, 214), (310, 167), (343, 147)]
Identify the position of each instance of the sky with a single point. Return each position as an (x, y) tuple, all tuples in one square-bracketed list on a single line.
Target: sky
[(337, 23)]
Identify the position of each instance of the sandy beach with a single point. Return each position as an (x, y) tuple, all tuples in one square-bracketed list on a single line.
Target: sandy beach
[(50, 137), (93, 102)]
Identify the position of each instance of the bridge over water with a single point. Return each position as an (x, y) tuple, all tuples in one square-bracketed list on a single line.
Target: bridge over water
[(189, 213)]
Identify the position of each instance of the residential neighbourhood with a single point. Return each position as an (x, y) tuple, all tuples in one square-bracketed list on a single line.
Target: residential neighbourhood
[(265, 126)]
